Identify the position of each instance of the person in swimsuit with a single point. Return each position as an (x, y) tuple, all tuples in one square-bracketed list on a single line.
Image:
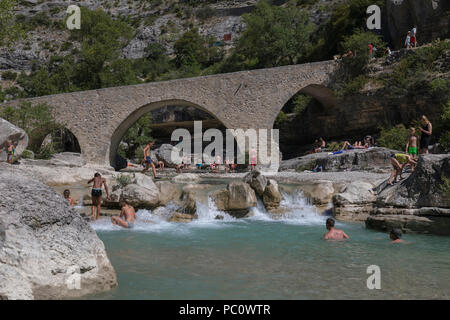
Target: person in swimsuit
[(414, 37), (96, 194), (127, 216), (399, 161), (253, 159), (148, 159), (68, 197), (10, 150), (334, 233), (411, 146), (408, 40), (395, 236), (160, 166), (426, 130)]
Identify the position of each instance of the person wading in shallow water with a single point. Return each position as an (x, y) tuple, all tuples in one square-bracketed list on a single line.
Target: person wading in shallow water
[(127, 216), (96, 194), (148, 159), (334, 233)]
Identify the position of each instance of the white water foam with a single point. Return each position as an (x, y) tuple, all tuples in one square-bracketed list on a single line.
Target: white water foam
[(298, 211)]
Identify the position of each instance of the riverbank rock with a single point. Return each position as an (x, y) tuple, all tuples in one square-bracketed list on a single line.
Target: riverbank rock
[(182, 217), (320, 191), (257, 181), (355, 203), (236, 199), (362, 159), (46, 248), (17, 136), (67, 159), (272, 196), (427, 186), (168, 192), (186, 178), (420, 203), (138, 189)]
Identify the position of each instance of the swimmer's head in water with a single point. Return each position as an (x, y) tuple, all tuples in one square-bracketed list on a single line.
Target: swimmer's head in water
[(66, 193), (330, 223), (97, 174), (395, 234)]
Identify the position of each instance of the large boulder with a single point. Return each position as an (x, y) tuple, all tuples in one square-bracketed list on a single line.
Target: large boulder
[(427, 186), (355, 203), (17, 136), (236, 199), (137, 188), (47, 250), (164, 154), (361, 159), (272, 195), (319, 191), (257, 181)]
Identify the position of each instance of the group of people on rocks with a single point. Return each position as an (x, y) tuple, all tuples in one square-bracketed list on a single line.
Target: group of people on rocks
[(400, 160)]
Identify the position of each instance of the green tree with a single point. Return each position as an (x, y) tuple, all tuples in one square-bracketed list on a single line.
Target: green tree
[(10, 29), (274, 36), (136, 137)]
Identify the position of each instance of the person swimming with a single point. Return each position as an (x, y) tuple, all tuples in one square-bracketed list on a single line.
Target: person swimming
[(334, 233), (395, 235)]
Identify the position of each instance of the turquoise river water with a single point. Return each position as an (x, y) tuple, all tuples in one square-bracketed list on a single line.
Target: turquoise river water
[(262, 258)]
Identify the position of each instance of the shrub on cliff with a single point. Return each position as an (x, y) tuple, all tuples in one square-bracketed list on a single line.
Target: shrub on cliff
[(394, 138)]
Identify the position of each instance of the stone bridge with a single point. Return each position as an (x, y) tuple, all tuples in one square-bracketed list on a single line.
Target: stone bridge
[(246, 99)]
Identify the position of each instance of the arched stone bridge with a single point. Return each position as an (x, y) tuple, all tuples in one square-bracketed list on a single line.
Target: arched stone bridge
[(246, 99)]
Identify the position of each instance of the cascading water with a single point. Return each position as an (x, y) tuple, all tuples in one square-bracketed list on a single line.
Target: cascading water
[(297, 210)]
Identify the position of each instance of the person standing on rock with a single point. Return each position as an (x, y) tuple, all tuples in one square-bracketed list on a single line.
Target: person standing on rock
[(148, 159), (426, 130), (414, 37), (96, 194), (334, 233), (10, 150), (411, 146), (408, 40), (127, 216)]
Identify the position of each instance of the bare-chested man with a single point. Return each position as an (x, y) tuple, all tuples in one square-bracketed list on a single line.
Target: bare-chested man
[(148, 159), (334, 233), (96, 194), (411, 144), (127, 216)]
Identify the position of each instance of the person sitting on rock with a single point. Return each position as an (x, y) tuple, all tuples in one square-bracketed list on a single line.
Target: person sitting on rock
[(180, 167), (96, 194), (148, 159), (399, 161), (127, 216), (320, 145), (68, 197), (395, 235), (334, 233)]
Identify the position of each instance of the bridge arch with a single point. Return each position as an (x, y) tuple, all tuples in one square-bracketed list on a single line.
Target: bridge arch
[(66, 139), (134, 116)]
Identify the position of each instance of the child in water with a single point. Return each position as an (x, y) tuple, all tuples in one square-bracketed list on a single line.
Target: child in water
[(395, 235), (68, 197)]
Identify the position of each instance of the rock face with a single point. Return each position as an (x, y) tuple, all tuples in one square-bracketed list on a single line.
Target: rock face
[(186, 177), (168, 192), (320, 191), (18, 137), (370, 159), (46, 248), (236, 199), (424, 188)]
